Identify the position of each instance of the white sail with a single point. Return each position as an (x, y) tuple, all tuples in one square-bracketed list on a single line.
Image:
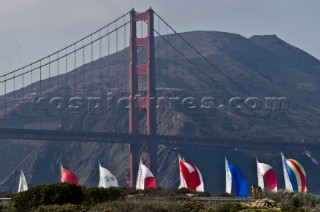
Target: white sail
[(140, 178), (260, 176), (182, 180), (107, 179), (228, 178), (201, 186), (287, 182), (22, 182)]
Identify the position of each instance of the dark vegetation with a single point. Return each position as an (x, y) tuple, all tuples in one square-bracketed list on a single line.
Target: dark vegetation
[(65, 197)]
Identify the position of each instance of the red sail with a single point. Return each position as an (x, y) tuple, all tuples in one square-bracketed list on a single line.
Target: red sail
[(68, 177), (150, 182), (190, 174)]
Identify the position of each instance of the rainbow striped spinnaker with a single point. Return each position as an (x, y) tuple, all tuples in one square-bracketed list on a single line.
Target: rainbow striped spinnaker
[(294, 175)]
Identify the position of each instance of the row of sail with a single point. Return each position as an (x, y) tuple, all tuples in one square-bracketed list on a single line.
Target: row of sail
[(191, 178), (294, 177)]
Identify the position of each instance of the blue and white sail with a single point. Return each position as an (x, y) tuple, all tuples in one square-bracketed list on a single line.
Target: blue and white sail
[(235, 177)]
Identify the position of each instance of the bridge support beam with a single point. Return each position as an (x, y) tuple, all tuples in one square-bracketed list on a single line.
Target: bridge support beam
[(144, 99)]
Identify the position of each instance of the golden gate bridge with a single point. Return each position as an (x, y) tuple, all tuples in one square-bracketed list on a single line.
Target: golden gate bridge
[(60, 73)]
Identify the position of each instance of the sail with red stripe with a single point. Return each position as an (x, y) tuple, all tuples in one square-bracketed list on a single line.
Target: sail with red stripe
[(266, 176), (145, 178), (294, 174), (190, 176), (68, 177)]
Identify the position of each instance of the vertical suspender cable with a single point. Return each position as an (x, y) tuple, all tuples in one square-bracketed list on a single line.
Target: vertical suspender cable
[(14, 91), (91, 43), (159, 26), (5, 96), (157, 47), (175, 56), (40, 88), (116, 36), (100, 61), (49, 74), (75, 69), (31, 76), (22, 91), (124, 32), (83, 62), (31, 69), (124, 44), (66, 69), (58, 74), (167, 52), (108, 54), (40, 91)]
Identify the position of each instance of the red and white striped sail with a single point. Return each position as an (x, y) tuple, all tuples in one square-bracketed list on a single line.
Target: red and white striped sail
[(266, 176), (190, 176), (68, 177), (145, 178)]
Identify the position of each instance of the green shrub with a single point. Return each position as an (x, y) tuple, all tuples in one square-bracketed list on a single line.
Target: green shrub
[(60, 208), (58, 193), (291, 208), (184, 191), (288, 200), (233, 207), (97, 195), (191, 206), (147, 204), (6, 194), (227, 195)]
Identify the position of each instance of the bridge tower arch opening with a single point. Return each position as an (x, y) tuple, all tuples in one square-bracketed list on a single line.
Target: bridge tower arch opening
[(142, 99)]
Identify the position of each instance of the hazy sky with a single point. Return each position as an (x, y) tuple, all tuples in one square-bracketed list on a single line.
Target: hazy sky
[(31, 29)]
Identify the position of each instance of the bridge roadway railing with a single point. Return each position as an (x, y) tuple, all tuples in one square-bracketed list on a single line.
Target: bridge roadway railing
[(167, 140)]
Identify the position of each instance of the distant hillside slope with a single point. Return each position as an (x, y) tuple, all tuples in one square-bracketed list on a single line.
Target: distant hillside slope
[(261, 66)]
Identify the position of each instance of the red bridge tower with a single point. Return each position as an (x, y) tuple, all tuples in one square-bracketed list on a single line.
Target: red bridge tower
[(145, 100)]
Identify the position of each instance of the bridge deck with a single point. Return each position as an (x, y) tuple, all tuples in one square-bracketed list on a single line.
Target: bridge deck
[(174, 141)]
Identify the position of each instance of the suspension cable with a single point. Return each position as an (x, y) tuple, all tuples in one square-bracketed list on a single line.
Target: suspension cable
[(63, 56), (215, 67), (82, 39), (208, 76)]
